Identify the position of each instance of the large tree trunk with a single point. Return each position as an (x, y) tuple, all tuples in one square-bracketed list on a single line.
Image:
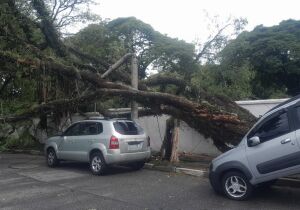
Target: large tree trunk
[(175, 142), (166, 147)]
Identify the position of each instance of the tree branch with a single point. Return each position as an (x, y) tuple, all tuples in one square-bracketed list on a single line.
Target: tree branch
[(87, 57), (209, 43), (48, 29)]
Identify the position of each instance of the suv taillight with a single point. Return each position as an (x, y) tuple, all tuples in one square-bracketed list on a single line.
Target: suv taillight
[(114, 143), (148, 140)]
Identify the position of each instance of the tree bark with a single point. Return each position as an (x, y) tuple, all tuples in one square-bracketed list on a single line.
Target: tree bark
[(166, 147), (48, 28), (175, 142)]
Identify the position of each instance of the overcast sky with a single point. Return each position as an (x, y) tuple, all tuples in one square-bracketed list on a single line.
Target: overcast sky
[(185, 19)]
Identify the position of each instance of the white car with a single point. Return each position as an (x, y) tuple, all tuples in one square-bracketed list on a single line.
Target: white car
[(101, 142), (270, 150)]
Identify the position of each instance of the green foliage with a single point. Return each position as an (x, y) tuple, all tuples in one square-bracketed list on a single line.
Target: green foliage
[(9, 25), (110, 41), (174, 55), (25, 141), (273, 53), (17, 137), (224, 80), (98, 41), (63, 13)]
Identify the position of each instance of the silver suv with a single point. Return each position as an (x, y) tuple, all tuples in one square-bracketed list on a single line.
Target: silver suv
[(269, 150), (101, 142)]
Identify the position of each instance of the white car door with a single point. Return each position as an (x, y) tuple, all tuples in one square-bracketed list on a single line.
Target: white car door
[(274, 156), (89, 134), (67, 146)]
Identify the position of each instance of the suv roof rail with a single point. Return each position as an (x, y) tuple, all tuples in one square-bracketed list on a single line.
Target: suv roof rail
[(121, 118), (98, 118), (285, 102), (108, 118)]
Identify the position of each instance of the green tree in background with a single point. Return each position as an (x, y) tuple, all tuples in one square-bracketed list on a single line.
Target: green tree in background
[(110, 40), (224, 80), (273, 53), (64, 14)]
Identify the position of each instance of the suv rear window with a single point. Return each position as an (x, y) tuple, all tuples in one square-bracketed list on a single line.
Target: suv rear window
[(128, 128)]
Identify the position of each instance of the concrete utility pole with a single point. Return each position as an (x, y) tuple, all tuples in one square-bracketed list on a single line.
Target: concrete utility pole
[(134, 84)]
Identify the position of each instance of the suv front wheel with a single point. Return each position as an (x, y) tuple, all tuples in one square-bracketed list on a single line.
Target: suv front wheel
[(97, 164), (236, 185), (51, 158)]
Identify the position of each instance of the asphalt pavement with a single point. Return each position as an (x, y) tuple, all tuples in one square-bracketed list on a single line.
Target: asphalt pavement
[(27, 183)]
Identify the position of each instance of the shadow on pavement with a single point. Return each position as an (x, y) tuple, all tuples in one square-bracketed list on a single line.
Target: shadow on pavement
[(84, 167)]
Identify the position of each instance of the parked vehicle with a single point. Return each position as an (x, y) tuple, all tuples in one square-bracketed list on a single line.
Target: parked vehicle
[(269, 150), (101, 142)]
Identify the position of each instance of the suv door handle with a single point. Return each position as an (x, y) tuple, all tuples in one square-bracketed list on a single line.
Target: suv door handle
[(285, 141)]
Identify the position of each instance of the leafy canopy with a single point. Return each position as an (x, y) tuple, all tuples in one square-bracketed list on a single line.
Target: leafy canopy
[(274, 55)]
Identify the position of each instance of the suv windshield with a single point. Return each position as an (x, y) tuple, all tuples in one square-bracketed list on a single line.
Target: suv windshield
[(128, 128)]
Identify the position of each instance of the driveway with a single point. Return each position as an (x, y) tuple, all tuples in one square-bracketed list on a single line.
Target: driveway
[(26, 183)]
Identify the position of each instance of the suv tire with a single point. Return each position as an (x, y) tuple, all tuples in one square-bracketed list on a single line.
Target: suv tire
[(51, 158), (97, 164), (236, 185)]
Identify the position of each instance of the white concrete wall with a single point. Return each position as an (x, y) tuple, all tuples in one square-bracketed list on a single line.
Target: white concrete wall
[(190, 141), (259, 107), (155, 127)]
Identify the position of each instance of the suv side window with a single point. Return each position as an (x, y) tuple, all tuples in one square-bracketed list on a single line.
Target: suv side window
[(275, 126), (297, 123), (84, 128), (74, 130), (91, 128)]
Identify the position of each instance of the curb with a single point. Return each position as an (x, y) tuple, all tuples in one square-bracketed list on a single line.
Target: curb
[(174, 169), (192, 172), (282, 182), (20, 151)]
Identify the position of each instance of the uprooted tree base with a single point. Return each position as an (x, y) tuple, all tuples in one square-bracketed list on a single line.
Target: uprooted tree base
[(214, 116)]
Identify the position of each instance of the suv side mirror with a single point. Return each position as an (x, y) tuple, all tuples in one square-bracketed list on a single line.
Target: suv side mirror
[(253, 141)]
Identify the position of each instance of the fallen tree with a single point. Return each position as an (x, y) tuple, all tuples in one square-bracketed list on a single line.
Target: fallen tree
[(215, 116)]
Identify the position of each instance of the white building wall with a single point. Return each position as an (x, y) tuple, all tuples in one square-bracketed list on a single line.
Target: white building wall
[(260, 107), (190, 141)]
